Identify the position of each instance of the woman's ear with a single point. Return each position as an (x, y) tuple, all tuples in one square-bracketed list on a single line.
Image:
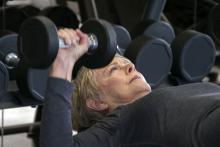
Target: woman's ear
[(96, 104)]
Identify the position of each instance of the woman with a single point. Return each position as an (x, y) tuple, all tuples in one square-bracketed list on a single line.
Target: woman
[(97, 91), (104, 112)]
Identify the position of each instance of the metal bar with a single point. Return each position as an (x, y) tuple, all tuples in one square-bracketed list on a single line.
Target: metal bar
[(19, 128)]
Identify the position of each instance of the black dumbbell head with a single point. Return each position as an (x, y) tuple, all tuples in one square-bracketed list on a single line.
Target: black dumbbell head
[(38, 42), (107, 43), (8, 45), (152, 28), (194, 55), (32, 82)]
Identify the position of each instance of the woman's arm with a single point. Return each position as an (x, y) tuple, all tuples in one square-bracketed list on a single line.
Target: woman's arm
[(56, 128), (63, 65)]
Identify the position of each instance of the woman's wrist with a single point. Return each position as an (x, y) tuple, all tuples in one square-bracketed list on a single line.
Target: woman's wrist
[(62, 70)]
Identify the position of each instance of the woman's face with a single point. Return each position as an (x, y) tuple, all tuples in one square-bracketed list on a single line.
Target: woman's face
[(121, 83)]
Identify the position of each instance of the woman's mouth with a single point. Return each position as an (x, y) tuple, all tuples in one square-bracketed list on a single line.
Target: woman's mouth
[(134, 78)]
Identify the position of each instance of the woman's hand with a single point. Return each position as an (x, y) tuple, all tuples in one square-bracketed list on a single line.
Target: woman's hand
[(62, 66)]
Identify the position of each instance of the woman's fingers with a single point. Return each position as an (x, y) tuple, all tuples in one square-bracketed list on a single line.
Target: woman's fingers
[(69, 36), (83, 39), (77, 40), (73, 36), (64, 35)]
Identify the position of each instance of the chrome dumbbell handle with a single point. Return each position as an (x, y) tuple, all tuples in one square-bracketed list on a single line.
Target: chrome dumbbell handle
[(93, 43)]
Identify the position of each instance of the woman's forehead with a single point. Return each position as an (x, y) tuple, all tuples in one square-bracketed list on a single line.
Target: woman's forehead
[(116, 59), (119, 58)]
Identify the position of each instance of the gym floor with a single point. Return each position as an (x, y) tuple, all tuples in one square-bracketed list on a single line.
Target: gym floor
[(17, 116)]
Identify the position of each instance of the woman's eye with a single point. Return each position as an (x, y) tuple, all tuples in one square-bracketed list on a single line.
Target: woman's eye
[(113, 69)]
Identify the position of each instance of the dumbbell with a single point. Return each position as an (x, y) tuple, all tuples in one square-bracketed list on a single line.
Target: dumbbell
[(193, 56), (8, 51), (38, 42), (30, 82)]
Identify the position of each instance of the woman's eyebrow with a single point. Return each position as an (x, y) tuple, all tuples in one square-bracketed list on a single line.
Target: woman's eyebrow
[(107, 67), (115, 63), (126, 61)]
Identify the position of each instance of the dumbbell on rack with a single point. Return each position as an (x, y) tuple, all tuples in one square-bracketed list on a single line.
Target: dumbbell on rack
[(193, 56), (27, 79)]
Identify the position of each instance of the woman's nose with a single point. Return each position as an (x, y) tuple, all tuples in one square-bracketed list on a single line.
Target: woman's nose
[(130, 68)]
